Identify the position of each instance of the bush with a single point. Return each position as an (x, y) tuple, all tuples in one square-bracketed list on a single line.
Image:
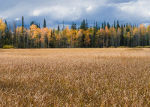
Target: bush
[(139, 47), (142, 47), (146, 46), (8, 47), (112, 47), (122, 47)]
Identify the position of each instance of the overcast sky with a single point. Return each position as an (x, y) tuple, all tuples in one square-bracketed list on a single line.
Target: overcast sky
[(55, 11)]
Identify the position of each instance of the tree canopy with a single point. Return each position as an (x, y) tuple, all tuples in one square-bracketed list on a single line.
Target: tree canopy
[(98, 36)]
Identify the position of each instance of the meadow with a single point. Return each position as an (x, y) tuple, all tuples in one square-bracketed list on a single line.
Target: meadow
[(75, 77)]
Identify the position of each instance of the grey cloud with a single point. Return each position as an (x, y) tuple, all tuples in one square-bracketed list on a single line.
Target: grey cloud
[(55, 11)]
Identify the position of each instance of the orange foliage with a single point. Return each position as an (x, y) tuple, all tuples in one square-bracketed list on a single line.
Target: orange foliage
[(2, 26)]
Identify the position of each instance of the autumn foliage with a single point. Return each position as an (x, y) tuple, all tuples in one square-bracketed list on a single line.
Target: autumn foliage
[(83, 37)]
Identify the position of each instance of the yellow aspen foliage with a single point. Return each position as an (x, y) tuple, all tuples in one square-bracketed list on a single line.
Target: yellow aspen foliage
[(49, 36), (102, 32), (57, 37), (142, 29), (113, 31), (87, 37), (135, 31), (74, 33), (79, 34), (128, 34), (107, 30), (148, 29), (68, 34), (2, 26), (44, 32), (98, 32), (19, 29), (67, 31), (34, 31)]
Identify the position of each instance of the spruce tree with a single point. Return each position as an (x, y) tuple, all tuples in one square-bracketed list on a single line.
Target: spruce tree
[(73, 26), (44, 24), (22, 24)]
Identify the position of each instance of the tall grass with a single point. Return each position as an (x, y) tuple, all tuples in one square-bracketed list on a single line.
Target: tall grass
[(75, 77)]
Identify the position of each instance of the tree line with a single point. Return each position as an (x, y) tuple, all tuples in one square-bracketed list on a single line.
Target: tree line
[(97, 36)]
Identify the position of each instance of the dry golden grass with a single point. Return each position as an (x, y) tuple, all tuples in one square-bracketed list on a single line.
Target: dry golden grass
[(75, 77)]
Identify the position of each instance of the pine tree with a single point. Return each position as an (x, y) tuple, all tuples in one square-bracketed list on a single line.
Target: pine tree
[(122, 37), (118, 26), (63, 26), (114, 24), (44, 24), (84, 25), (108, 25), (58, 28), (96, 26), (22, 24), (73, 26)]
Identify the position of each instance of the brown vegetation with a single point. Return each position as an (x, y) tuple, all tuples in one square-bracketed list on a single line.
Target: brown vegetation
[(75, 77)]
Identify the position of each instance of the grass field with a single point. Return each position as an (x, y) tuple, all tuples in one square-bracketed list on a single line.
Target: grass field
[(75, 77)]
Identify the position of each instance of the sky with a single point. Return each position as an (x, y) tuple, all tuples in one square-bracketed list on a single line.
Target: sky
[(57, 11)]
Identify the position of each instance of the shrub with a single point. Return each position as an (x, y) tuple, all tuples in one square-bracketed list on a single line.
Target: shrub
[(146, 46), (112, 47), (8, 47), (139, 47), (122, 47)]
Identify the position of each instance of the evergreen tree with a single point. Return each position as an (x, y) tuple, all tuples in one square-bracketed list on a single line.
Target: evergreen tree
[(63, 26), (84, 37), (104, 24), (96, 26), (32, 23), (44, 24), (108, 25), (122, 37), (118, 26), (114, 24), (84, 25), (22, 24), (58, 28), (73, 26)]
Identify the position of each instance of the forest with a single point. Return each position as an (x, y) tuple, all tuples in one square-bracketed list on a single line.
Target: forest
[(97, 36)]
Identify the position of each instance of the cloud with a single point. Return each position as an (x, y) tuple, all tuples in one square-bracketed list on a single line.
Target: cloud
[(139, 8), (58, 12), (67, 9), (55, 11), (120, 1), (58, 7), (17, 19), (89, 8)]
